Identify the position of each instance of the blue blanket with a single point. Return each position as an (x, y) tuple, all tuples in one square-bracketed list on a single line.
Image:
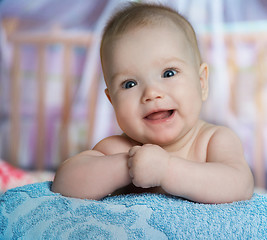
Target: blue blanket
[(34, 212)]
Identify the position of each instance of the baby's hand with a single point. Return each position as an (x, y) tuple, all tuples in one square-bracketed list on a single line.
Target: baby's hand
[(147, 165)]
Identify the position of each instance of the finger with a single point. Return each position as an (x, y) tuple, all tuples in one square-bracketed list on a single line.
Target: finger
[(130, 162), (135, 183), (131, 173), (133, 150)]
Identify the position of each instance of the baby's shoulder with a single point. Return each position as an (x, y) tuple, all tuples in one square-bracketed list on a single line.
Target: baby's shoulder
[(210, 132), (206, 130), (114, 144), (211, 137)]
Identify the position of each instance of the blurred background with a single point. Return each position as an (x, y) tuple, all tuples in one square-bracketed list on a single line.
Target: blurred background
[(52, 102)]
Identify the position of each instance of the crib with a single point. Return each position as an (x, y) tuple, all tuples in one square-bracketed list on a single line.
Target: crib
[(247, 118), (33, 210), (41, 42)]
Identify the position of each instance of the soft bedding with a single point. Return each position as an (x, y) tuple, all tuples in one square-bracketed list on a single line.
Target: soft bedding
[(11, 177), (34, 212)]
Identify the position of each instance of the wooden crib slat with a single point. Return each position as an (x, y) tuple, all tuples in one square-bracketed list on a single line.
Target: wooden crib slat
[(15, 106), (233, 72), (92, 103), (40, 156), (66, 106), (259, 162)]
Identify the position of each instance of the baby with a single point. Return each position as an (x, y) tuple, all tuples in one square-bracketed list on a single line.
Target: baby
[(156, 82)]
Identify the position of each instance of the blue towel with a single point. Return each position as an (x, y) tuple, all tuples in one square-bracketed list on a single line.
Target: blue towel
[(34, 212)]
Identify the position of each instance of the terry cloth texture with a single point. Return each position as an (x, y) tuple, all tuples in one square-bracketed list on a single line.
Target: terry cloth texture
[(34, 212)]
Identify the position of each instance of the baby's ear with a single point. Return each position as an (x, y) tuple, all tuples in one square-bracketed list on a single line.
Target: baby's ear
[(204, 80), (107, 94)]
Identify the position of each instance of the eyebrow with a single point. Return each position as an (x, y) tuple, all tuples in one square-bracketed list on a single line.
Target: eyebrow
[(167, 60), (170, 60), (117, 75)]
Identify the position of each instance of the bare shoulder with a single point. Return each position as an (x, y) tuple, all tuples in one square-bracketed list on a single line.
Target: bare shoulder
[(223, 144), (114, 144), (212, 132), (225, 136)]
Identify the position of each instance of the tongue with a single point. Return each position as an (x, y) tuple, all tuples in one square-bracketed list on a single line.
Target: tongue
[(159, 115)]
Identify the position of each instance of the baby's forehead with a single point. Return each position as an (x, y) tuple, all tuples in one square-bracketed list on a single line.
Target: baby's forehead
[(154, 45), (160, 20), (160, 26), (161, 29), (122, 24)]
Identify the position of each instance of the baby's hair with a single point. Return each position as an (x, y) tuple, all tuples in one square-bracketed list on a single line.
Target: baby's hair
[(142, 14)]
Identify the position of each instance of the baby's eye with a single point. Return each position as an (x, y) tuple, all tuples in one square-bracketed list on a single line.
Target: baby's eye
[(169, 73), (129, 84)]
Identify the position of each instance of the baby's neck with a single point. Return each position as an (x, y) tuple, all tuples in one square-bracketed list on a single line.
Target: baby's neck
[(187, 140)]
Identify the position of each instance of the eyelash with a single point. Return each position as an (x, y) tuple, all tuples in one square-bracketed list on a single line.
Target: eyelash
[(173, 70), (124, 84), (134, 83)]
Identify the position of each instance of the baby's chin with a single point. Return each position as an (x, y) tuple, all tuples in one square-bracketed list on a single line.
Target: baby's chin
[(161, 140)]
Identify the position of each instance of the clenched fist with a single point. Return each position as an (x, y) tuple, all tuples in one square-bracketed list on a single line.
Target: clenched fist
[(147, 165)]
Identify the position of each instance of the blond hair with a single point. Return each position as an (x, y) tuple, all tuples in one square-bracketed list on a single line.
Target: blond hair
[(143, 14)]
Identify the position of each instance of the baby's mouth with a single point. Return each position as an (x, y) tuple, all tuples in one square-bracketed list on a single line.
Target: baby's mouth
[(159, 115)]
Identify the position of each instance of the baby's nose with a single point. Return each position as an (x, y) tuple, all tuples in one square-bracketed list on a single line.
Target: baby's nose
[(151, 93)]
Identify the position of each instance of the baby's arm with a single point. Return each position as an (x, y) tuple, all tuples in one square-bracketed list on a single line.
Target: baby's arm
[(96, 173), (224, 177)]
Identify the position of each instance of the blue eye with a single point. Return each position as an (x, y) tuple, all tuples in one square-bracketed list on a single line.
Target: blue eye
[(129, 84), (169, 73)]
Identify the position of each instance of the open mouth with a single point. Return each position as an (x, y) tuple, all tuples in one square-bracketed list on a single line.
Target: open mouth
[(160, 115)]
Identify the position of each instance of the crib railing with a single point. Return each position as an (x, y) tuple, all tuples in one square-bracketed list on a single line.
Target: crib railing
[(41, 41), (258, 42)]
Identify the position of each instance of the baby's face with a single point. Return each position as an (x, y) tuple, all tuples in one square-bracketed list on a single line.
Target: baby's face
[(154, 83)]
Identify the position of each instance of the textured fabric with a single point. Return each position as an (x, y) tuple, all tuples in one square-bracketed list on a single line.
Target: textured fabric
[(11, 177), (34, 212)]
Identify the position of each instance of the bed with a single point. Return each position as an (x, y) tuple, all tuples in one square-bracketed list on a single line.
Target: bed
[(34, 212)]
